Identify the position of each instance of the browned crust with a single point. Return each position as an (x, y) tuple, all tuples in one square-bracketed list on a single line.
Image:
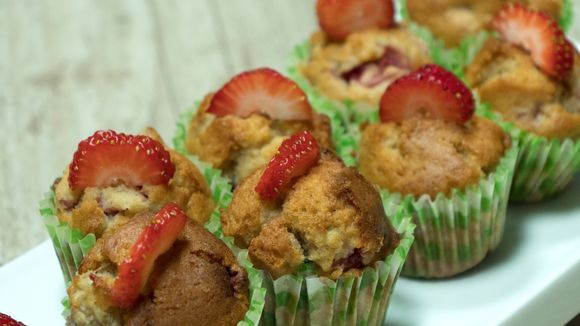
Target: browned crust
[(427, 156)]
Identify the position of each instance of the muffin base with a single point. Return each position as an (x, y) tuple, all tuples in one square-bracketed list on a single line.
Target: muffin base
[(306, 299)]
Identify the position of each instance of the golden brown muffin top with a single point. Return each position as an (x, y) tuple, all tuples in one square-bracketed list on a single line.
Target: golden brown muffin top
[(238, 146), (331, 217), (96, 210), (453, 20), (331, 64), (428, 156), (506, 77), (197, 282)]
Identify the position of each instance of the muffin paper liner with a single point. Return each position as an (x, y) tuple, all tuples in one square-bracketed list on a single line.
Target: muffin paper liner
[(306, 299), (544, 166), (71, 245)]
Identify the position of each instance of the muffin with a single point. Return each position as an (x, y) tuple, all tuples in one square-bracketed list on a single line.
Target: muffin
[(454, 20), (239, 128), (311, 223), (450, 169), (193, 277), (359, 51), (113, 177), (536, 87)]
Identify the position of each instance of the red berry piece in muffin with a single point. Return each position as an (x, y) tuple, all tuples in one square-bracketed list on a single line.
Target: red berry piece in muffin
[(6, 320), (106, 158), (339, 18), (295, 157), (540, 35), (429, 91), (156, 238), (262, 91)]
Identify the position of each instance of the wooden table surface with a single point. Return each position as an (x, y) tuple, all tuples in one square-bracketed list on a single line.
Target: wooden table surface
[(70, 67)]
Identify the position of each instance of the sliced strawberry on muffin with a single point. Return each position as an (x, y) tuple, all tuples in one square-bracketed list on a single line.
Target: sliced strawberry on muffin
[(339, 18), (6, 320), (114, 176), (538, 34), (430, 91), (238, 128), (295, 157), (261, 91), (107, 158), (155, 239)]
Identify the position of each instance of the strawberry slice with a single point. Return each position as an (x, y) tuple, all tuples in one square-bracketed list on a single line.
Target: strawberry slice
[(263, 91), (540, 35), (107, 158), (296, 155), (6, 320), (428, 91), (154, 240), (339, 18)]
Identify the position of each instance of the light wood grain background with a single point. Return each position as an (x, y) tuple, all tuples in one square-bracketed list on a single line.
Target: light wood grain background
[(70, 67)]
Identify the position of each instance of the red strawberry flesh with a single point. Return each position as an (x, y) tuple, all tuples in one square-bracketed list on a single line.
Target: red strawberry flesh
[(296, 155), (539, 34), (261, 91), (6, 320), (375, 72), (107, 158), (154, 240), (430, 91), (339, 18)]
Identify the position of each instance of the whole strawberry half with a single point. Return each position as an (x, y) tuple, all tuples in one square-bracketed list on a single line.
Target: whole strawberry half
[(263, 91), (6, 320), (430, 91), (339, 18), (540, 35), (107, 158), (296, 155), (157, 237)]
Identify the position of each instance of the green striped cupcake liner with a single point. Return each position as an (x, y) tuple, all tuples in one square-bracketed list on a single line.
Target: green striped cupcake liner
[(544, 166), (71, 246), (306, 299)]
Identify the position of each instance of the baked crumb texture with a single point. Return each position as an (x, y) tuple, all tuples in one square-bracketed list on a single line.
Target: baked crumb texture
[(332, 68), (238, 146), (99, 210), (331, 218), (425, 156), (453, 20), (454, 179), (197, 282), (505, 77)]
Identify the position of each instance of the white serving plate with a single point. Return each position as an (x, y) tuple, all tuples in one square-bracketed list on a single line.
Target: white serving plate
[(533, 278)]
